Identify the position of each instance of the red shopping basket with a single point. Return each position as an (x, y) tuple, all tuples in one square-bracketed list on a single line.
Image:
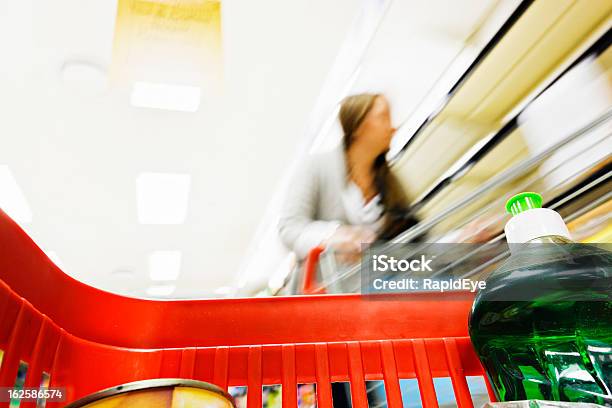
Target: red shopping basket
[(86, 339)]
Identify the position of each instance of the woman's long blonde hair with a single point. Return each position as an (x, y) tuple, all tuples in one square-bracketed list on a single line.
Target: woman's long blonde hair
[(352, 113)]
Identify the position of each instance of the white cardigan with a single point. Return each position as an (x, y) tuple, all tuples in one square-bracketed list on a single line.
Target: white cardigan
[(318, 201)]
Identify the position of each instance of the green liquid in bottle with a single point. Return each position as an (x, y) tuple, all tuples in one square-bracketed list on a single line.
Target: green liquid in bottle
[(543, 326)]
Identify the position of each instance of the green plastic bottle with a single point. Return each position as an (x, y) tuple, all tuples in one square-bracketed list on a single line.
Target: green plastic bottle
[(542, 328)]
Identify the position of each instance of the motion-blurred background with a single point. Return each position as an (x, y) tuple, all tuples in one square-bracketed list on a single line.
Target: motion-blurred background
[(146, 145)]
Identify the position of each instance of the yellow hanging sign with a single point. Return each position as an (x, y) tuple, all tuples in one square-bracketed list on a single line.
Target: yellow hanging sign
[(168, 42)]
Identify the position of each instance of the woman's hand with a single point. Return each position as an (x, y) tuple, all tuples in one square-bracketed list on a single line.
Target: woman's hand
[(348, 241)]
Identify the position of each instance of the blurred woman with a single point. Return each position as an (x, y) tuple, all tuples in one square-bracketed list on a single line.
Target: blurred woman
[(349, 196)]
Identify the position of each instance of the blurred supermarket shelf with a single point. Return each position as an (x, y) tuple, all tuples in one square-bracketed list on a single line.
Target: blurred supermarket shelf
[(526, 117)]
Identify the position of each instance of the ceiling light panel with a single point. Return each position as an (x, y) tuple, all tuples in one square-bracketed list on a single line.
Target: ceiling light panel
[(161, 290), (164, 265), (181, 98), (12, 199), (162, 198)]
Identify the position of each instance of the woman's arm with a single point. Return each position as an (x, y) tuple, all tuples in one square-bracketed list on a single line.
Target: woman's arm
[(298, 228)]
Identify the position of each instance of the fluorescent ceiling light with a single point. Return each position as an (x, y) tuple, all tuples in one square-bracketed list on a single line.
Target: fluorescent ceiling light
[(164, 265), (224, 290), (12, 200), (165, 96), (162, 197), (161, 290)]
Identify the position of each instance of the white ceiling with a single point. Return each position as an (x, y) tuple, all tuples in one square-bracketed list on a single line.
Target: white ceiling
[(76, 155), (76, 151)]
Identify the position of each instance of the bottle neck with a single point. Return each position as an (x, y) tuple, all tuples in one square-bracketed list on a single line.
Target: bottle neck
[(516, 247), (550, 239)]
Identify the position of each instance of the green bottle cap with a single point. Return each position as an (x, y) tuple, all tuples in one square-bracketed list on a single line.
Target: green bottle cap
[(523, 202)]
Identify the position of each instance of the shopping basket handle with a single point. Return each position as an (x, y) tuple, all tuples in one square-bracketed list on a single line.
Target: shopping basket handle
[(310, 272)]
